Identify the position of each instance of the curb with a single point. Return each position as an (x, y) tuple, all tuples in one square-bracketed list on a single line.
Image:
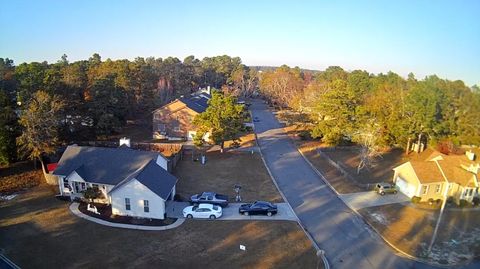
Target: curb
[(320, 252), (74, 209), (406, 255)]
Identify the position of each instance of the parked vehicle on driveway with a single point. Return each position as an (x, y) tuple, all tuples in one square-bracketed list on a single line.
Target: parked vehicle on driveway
[(210, 198), (258, 208), (203, 211), (383, 188)]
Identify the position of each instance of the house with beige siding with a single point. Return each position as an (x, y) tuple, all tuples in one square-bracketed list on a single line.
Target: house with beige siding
[(438, 176)]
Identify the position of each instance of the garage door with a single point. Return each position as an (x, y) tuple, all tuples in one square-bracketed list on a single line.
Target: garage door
[(405, 187)]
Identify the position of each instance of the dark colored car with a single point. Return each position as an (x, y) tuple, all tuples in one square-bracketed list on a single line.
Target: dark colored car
[(258, 208)]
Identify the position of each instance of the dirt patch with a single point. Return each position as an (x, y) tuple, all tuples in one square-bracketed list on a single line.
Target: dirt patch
[(410, 229), (222, 171), (38, 231), (106, 214)]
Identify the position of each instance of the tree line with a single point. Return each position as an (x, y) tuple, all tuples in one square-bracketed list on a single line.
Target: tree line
[(43, 103), (384, 110)]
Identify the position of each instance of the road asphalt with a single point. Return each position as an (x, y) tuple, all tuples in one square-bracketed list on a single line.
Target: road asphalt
[(347, 240)]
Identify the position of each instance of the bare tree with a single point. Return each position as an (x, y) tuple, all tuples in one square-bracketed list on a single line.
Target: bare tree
[(369, 148)]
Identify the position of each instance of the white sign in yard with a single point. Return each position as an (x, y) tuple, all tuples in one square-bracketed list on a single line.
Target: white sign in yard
[(242, 247)]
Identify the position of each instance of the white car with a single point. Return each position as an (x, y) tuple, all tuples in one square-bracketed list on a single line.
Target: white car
[(203, 211)]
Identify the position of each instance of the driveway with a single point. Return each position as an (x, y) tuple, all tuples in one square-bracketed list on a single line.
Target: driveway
[(348, 242), (358, 200), (174, 210)]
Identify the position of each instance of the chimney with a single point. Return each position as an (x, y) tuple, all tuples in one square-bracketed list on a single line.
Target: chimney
[(124, 141), (470, 155)]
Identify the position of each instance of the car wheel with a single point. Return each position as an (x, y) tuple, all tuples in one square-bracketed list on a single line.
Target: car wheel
[(189, 216), (212, 216), (382, 193), (245, 213), (394, 192), (269, 214)]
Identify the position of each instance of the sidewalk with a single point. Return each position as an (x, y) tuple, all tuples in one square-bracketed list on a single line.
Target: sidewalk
[(74, 208)]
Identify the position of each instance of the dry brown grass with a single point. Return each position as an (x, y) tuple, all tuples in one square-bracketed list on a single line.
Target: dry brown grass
[(38, 231), (410, 229), (15, 183), (222, 171)]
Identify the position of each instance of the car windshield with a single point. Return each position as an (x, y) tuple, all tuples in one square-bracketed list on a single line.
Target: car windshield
[(194, 208), (215, 207)]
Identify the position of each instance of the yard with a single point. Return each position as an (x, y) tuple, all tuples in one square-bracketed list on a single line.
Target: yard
[(222, 171), (410, 228), (38, 231)]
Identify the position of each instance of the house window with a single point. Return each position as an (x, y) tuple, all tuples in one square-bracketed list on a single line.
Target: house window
[(95, 186), (470, 192), (146, 207), (437, 188), (127, 204), (161, 127), (424, 189)]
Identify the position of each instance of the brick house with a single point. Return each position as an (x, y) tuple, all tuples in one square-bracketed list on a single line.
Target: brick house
[(173, 121)]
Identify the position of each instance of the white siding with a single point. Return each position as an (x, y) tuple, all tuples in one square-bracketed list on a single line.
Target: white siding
[(162, 162), (137, 192), (74, 177)]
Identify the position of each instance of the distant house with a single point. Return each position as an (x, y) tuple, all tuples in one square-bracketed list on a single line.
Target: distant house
[(173, 121), (135, 183), (455, 176)]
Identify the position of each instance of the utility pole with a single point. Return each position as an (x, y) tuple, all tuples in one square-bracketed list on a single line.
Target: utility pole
[(444, 202)]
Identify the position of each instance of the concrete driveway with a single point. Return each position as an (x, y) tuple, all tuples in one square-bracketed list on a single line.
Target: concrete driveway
[(174, 210), (359, 200)]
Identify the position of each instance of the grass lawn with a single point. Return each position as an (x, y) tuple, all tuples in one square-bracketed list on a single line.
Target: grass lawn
[(222, 171), (38, 231), (410, 229)]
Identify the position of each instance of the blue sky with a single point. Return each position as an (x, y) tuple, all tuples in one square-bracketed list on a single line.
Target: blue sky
[(423, 37)]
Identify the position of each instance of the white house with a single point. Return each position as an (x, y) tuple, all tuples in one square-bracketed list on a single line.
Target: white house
[(135, 183)]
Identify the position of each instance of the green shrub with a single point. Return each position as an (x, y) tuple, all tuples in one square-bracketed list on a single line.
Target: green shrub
[(463, 203), (416, 199), (430, 201), (304, 135), (476, 201), (92, 193), (438, 201)]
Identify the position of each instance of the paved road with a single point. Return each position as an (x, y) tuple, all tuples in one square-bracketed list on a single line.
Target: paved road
[(346, 239), (358, 200), (175, 209)]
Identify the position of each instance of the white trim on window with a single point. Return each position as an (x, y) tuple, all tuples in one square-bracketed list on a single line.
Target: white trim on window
[(127, 204)]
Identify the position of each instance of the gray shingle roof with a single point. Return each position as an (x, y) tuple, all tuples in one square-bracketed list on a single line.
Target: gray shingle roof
[(155, 178), (197, 102), (103, 165)]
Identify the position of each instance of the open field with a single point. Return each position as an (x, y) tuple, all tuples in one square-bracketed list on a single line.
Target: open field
[(222, 171), (410, 229), (38, 231)]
